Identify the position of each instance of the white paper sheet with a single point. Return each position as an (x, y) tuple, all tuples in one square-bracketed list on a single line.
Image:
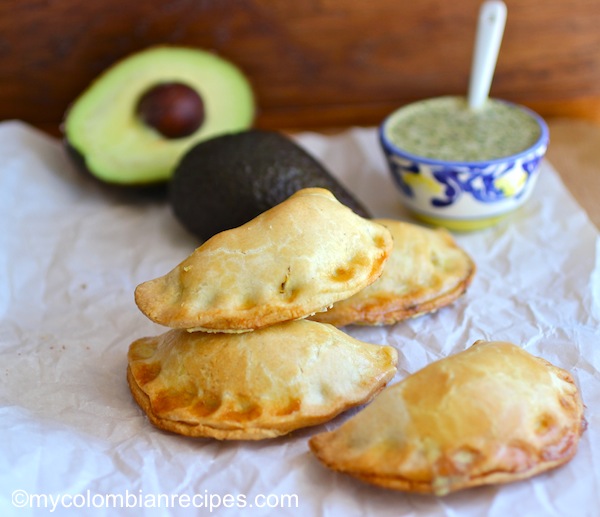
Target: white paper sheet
[(71, 254)]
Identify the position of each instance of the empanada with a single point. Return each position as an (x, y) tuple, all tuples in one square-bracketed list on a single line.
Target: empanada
[(491, 414), (425, 271), (254, 385), (291, 261)]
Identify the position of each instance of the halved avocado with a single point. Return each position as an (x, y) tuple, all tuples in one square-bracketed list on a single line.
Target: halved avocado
[(135, 121)]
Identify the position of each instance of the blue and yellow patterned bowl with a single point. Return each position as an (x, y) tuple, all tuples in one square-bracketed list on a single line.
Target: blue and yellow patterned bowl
[(469, 195)]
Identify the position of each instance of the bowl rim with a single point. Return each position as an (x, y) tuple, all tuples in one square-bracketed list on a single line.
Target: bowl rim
[(541, 142)]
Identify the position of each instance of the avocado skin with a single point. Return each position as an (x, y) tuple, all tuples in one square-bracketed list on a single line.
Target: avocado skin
[(151, 190), (226, 181)]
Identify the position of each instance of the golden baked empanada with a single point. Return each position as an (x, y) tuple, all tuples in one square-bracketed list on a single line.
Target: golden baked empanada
[(425, 271), (254, 385), (491, 414), (291, 261)]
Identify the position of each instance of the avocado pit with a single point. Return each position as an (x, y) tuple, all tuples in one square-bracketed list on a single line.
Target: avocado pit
[(173, 109)]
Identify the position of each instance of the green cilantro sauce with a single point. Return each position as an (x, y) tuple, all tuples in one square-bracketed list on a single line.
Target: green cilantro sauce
[(445, 128)]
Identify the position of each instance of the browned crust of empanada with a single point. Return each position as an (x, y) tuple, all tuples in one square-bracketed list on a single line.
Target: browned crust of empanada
[(490, 478), (191, 429), (194, 430), (288, 376), (389, 300), (492, 455), (293, 260)]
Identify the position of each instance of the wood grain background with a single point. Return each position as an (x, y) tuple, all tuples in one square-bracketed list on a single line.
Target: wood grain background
[(312, 63)]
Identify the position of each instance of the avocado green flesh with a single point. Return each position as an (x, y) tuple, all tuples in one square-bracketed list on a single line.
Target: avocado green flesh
[(117, 147), (228, 180)]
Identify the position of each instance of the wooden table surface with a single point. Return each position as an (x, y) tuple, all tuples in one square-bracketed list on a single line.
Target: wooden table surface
[(574, 151)]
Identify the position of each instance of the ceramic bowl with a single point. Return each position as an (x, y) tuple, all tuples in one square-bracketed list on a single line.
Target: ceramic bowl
[(464, 195)]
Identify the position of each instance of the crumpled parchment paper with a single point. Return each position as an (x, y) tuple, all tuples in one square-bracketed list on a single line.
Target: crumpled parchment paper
[(73, 441)]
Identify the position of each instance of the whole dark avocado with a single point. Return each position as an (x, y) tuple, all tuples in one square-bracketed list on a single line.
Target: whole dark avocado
[(226, 181)]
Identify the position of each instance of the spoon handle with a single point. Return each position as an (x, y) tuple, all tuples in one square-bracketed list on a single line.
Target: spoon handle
[(490, 28)]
